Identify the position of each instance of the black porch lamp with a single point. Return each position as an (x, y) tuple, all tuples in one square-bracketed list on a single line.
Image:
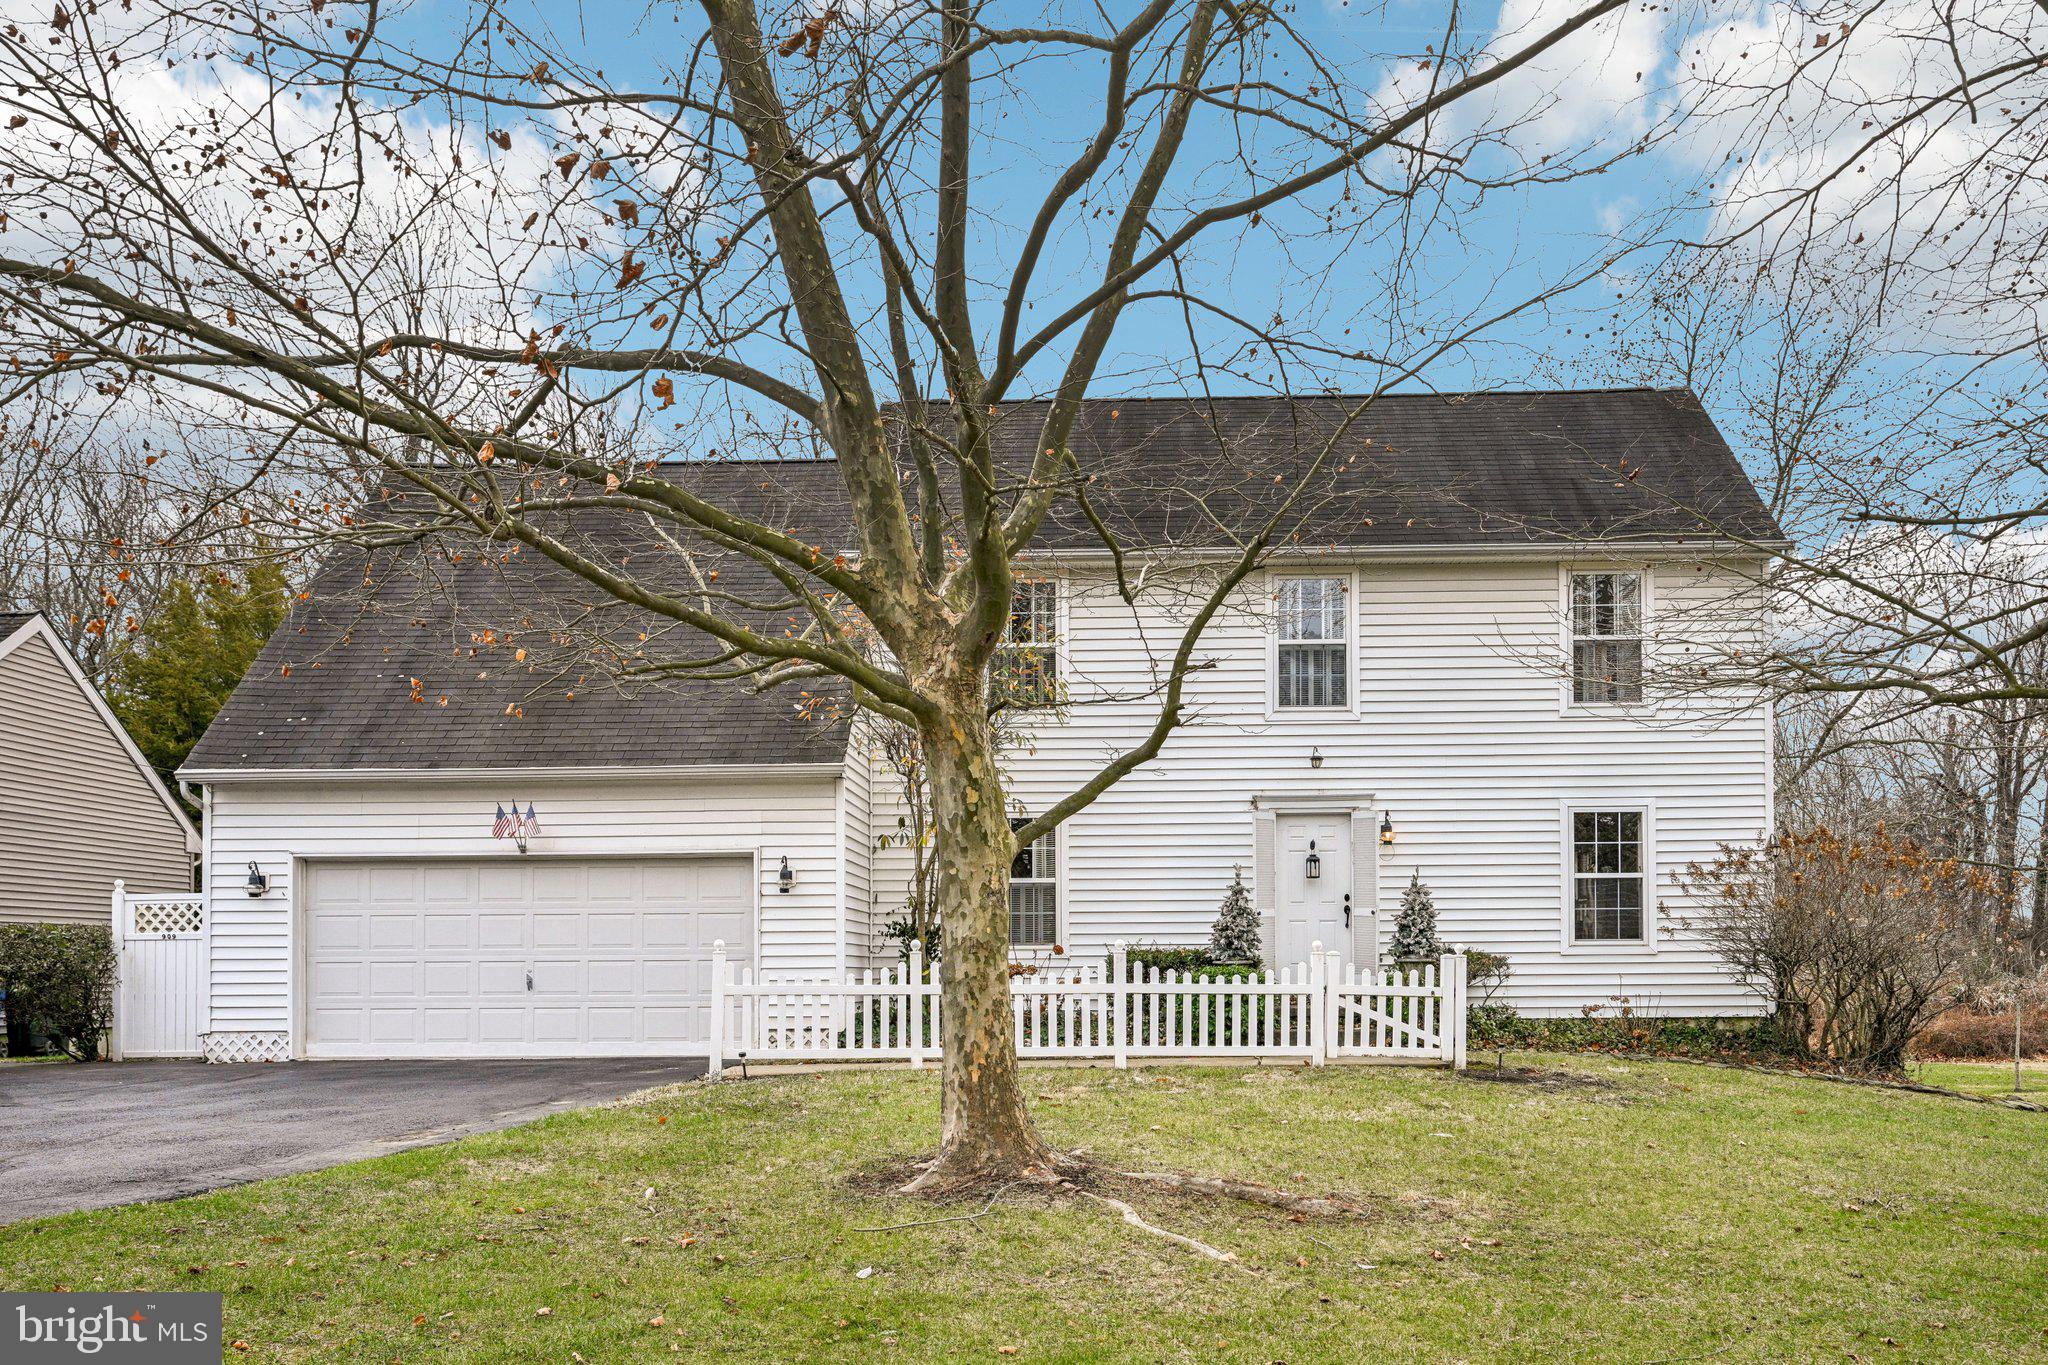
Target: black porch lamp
[(786, 878), (1386, 828), (257, 883), (1315, 862)]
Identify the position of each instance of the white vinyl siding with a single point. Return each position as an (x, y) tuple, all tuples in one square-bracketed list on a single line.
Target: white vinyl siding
[(76, 811), (283, 825), (1458, 736)]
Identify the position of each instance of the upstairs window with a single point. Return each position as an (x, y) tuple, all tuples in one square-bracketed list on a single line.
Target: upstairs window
[(1312, 653), (1607, 638), (1027, 663), (1607, 876), (1035, 891)]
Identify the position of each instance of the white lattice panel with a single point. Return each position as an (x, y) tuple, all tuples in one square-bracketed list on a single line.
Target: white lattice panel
[(172, 915), (247, 1047)]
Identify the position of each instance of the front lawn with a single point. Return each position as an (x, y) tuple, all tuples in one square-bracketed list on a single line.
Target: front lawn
[(1986, 1078), (1657, 1212)]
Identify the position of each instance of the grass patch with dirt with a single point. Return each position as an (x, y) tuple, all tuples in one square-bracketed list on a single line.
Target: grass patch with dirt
[(1605, 1209), (1984, 1078)]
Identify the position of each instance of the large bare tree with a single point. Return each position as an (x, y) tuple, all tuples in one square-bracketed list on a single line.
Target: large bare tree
[(446, 263)]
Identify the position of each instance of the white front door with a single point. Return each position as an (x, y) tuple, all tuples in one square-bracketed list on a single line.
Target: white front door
[(1311, 907), (518, 957)]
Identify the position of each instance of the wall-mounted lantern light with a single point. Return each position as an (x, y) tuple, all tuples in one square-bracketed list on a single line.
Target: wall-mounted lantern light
[(1386, 828), (1314, 868), (786, 878), (1315, 757), (257, 883)]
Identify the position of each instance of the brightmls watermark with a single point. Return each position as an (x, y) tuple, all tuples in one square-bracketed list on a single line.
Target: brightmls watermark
[(158, 1329)]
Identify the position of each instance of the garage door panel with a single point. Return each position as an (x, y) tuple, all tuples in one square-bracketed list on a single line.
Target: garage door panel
[(501, 931), (607, 978), (612, 930), (501, 978), (433, 958), (394, 883), (395, 979), (446, 979), (449, 929), (558, 931), (337, 931), (394, 931)]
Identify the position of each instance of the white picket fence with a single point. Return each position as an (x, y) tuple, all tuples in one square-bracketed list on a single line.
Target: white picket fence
[(1313, 1011)]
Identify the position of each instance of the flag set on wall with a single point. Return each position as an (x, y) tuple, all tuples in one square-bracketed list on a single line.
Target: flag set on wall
[(516, 827)]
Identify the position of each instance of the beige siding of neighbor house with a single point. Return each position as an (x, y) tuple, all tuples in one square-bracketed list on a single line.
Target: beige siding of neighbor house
[(75, 811)]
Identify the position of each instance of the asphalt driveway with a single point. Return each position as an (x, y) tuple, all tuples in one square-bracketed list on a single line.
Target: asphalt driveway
[(87, 1137)]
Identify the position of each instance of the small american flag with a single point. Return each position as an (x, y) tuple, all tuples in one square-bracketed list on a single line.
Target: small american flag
[(502, 826), (532, 820)]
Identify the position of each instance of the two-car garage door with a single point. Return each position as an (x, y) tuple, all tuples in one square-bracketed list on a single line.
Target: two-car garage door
[(517, 957)]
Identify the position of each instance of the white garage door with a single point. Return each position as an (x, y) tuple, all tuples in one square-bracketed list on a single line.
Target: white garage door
[(518, 957)]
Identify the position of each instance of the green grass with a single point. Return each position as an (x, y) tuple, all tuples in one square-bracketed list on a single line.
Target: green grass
[(1685, 1212), (1985, 1078)]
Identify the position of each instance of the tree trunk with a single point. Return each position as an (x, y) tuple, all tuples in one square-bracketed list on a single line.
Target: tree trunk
[(985, 1132)]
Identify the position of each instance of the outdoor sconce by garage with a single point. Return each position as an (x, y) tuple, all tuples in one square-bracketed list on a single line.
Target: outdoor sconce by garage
[(1314, 869), (257, 883), (1386, 828), (1315, 757), (786, 878)]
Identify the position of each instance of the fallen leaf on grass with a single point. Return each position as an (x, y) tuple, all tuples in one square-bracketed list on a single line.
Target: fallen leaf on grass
[(1436, 1255), (543, 1312), (863, 1272)]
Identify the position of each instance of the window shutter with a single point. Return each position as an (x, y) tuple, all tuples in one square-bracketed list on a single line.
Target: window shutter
[(1265, 883), (1365, 888)]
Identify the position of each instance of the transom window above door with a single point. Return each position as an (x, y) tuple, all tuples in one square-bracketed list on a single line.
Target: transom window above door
[(1312, 643)]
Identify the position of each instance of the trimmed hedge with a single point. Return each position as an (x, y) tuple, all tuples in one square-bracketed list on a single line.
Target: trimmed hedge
[(1499, 1027), (59, 980)]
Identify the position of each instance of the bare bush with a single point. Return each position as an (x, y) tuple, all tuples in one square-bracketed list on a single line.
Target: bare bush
[(1858, 942)]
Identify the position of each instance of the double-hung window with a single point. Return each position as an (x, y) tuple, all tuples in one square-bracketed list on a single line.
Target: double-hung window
[(1027, 663), (1607, 638), (1607, 876), (1312, 650), (1035, 891)]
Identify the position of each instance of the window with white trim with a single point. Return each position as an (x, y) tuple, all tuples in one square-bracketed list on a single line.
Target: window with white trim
[(1311, 649), (1607, 876), (1035, 891), (1027, 663), (1607, 638)]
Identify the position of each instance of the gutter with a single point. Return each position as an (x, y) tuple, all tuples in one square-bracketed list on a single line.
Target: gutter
[(700, 772)]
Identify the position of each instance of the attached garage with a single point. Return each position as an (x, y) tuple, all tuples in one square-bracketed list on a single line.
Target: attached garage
[(517, 957)]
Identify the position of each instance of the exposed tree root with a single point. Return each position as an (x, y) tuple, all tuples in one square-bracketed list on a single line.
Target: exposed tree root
[(1077, 1175), (1130, 1216), (1250, 1192)]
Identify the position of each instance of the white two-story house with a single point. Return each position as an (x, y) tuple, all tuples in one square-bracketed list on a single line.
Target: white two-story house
[(1479, 665)]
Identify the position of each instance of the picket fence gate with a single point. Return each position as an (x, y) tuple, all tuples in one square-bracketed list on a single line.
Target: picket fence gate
[(160, 957), (1312, 1011)]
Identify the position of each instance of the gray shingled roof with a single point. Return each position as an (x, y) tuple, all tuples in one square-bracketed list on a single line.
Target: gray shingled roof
[(11, 621), (335, 687)]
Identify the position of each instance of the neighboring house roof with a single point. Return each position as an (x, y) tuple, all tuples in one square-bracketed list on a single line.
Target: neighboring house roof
[(17, 630), (412, 661)]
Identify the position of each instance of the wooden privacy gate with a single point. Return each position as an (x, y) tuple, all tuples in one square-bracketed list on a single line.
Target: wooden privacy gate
[(160, 1001), (1313, 1012)]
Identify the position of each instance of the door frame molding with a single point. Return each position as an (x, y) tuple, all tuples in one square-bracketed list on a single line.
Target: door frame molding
[(299, 945)]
